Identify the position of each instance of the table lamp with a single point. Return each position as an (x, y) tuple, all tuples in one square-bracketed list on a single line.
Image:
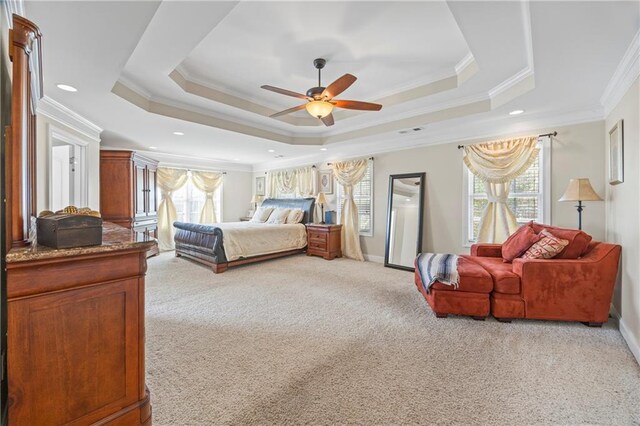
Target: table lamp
[(255, 200), (321, 199), (580, 190)]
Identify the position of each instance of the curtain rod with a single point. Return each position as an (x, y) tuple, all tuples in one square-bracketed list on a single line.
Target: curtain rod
[(540, 136), (370, 158)]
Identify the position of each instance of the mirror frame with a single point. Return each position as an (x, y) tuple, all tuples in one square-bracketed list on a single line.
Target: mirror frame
[(421, 176)]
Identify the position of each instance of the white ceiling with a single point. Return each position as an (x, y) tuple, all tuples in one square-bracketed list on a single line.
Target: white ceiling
[(146, 69), (388, 46)]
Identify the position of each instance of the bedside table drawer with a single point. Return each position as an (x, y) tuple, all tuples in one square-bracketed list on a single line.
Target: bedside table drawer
[(317, 236), (318, 244)]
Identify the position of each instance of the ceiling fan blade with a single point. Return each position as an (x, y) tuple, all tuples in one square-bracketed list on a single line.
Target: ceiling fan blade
[(288, 111), (285, 92), (328, 120), (364, 106), (339, 86)]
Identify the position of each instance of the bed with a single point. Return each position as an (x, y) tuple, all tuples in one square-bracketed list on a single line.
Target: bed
[(224, 245)]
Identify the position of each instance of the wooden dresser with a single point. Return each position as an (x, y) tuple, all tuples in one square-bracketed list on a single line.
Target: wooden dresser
[(324, 240), (128, 183), (76, 332)]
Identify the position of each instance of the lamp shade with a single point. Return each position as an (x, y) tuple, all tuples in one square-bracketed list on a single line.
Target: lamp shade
[(319, 109), (254, 199), (320, 199), (580, 190)]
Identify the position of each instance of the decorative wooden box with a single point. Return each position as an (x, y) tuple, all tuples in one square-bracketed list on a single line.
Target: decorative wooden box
[(62, 230)]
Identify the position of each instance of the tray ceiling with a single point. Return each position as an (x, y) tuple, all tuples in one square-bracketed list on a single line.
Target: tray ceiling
[(197, 67)]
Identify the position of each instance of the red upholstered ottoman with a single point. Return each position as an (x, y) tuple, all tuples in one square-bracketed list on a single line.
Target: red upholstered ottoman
[(471, 298)]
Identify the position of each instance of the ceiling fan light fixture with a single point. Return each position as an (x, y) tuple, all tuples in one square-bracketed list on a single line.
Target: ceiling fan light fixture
[(319, 109)]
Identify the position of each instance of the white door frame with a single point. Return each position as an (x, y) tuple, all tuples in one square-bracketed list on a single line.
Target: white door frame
[(81, 179)]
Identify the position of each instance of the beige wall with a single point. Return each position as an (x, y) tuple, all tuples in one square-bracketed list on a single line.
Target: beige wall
[(575, 152), (43, 152), (623, 216), (236, 195)]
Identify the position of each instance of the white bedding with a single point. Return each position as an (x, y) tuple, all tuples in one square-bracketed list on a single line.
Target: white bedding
[(245, 239)]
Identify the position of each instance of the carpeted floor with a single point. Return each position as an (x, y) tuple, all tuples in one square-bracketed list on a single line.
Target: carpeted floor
[(301, 340)]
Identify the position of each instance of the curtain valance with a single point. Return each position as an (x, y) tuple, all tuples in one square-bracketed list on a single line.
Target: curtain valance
[(502, 160)]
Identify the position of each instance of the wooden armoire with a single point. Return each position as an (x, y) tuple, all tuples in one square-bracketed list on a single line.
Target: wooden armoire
[(128, 183)]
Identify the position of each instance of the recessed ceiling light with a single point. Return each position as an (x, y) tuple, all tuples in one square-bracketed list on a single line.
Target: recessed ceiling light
[(236, 159), (516, 112), (66, 88), (271, 150), (178, 133), (153, 147), (323, 149)]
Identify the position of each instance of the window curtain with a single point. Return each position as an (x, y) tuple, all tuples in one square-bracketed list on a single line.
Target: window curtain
[(497, 163), (207, 182), (169, 181), (296, 182), (348, 174)]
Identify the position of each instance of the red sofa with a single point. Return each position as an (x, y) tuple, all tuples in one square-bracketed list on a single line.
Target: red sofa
[(552, 289)]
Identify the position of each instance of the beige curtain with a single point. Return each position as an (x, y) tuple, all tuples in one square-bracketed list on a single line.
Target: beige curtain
[(497, 163), (349, 173), (169, 181), (207, 182), (295, 182)]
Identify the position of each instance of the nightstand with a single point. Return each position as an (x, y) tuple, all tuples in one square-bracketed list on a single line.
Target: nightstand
[(324, 240)]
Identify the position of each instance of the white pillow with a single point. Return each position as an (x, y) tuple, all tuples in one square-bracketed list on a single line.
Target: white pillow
[(295, 216), (279, 216), (261, 215)]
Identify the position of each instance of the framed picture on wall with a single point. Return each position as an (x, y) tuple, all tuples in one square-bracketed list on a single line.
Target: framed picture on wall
[(616, 154), (325, 182), (260, 186)]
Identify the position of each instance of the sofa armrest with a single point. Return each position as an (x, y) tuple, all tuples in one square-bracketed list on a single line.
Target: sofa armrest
[(486, 250), (574, 289)]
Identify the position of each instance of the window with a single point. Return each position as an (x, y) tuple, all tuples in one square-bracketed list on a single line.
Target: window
[(189, 201), (528, 197), (363, 197)]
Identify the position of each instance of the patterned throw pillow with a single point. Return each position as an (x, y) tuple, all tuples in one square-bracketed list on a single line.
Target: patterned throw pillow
[(548, 246), (279, 216), (295, 216), (261, 215)]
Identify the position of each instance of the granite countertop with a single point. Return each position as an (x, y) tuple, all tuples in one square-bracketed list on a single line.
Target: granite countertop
[(114, 238)]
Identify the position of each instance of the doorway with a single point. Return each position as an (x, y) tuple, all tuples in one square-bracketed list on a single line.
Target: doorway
[(67, 174)]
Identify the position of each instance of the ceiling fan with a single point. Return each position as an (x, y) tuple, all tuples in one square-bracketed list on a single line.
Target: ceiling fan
[(320, 100)]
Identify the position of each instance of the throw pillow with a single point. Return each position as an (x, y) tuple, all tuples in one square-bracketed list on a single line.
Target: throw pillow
[(578, 240), (295, 216), (548, 246), (261, 215), (278, 216), (519, 242)]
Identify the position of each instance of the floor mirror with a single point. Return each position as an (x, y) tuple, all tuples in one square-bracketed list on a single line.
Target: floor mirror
[(405, 211)]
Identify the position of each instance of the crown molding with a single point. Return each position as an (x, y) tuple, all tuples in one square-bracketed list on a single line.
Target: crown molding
[(60, 113), (190, 161), (180, 160), (626, 73), (445, 133), (12, 7)]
